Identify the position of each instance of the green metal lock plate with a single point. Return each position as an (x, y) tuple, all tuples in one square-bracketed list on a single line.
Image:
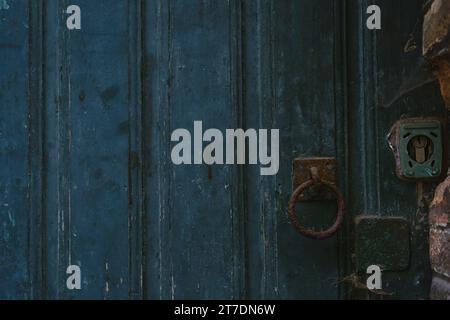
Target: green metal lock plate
[(420, 149)]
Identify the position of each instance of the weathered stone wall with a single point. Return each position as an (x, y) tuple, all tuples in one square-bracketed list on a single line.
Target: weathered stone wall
[(440, 241), (436, 43), (436, 48)]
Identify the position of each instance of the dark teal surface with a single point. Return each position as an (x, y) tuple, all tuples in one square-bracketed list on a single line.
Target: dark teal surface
[(85, 124)]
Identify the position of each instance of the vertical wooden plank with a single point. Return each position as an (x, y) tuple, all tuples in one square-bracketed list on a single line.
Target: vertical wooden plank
[(383, 67), (343, 149), (388, 66), (137, 141), (155, 87), (192, 209), (260, 112), (36, 151), (89, 143), (305, 107), (21, 150), (239, 209), (56, 76), (14, 218), (290, 81)]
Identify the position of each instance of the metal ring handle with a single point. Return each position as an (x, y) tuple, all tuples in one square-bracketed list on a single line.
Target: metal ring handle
[(318, 235)]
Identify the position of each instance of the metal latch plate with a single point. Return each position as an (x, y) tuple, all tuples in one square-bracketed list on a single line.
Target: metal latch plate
[(382, 241), (326, 168)]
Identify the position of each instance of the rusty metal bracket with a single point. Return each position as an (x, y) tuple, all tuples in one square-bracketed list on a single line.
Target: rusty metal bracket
[(325, 169), (315, 180)]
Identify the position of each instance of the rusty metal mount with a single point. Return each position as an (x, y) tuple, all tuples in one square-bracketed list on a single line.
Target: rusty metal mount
[(326, 170)]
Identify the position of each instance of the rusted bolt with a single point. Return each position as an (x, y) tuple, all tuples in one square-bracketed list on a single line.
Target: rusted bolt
[(315, 174)]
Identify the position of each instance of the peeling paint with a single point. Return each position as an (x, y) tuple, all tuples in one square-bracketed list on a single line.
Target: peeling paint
[(4, 5), (210, 225), (11, 219), (5, 232), (106, 278)]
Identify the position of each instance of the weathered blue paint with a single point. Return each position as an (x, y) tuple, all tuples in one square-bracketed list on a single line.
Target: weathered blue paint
[(85, 125), (378, 67), (15, 182)]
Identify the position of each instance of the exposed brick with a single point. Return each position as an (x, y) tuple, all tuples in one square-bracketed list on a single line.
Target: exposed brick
[(440, 207), (440, 229), (440, 250), (436, 25), (436, 35), (440, 289), (441, 68)]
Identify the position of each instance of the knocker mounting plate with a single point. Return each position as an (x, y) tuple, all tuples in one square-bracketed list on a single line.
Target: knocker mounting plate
[(326, 169)]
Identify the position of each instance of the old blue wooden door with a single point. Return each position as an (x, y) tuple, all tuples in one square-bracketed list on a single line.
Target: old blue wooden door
[(85, 122)]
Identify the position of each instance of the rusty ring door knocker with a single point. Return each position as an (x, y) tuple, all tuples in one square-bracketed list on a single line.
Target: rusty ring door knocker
[(314, 181)]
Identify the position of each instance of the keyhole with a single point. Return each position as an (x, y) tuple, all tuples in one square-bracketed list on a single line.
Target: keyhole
[(420, 149)]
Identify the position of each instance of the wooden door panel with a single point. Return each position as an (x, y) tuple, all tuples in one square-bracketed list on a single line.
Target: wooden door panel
[(85, 127)]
